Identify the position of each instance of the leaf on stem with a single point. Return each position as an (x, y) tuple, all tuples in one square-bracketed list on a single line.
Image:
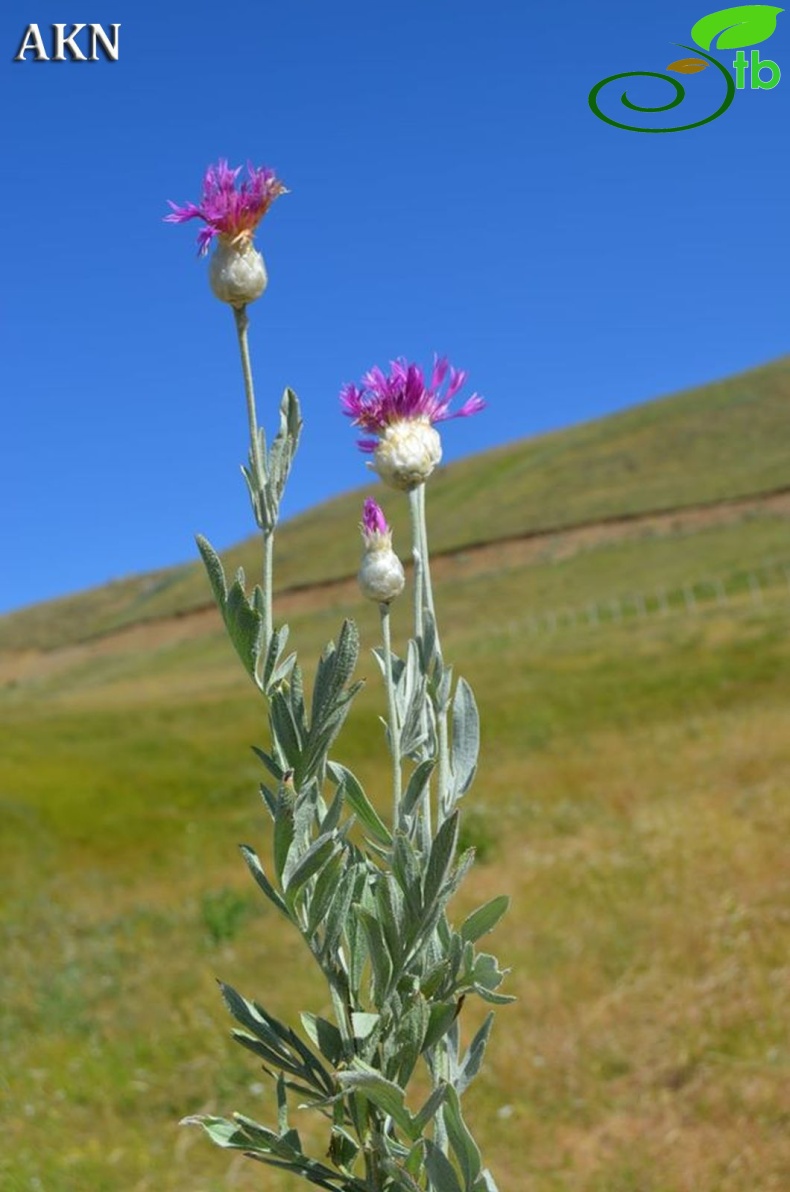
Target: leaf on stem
[(484, 919), (466, 739), (463, 1144), (440, 1170), (385, 1094), (242, 617), (359, 802), (473, 1057), (256, 869)]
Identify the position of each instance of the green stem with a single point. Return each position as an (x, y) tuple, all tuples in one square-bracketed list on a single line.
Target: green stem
[(392, 714), (426, 559), (419, 623), (268, 557), (242, 323), (414, 514), (258, 467), (441, 711)]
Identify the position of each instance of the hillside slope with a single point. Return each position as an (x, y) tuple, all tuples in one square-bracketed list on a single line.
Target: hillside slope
[(721, 441)]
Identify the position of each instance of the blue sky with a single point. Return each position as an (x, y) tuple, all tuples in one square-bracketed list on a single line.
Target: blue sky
[(450, 191)]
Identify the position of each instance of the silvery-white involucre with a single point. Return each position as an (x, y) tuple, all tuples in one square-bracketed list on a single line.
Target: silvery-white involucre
[(381, 576), (407, 453), (237, 274)]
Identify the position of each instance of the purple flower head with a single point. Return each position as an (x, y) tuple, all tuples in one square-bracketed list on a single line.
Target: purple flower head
[(403, 396), (230, 210), (373, 520)]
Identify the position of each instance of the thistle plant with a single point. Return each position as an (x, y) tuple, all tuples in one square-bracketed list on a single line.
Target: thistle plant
[(368, 892)]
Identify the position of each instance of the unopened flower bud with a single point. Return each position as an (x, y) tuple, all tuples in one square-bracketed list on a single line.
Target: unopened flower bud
[(381, 576), (236, 272), (407, 453)]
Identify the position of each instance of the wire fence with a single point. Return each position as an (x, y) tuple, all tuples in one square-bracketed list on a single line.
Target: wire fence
[(746, 588)]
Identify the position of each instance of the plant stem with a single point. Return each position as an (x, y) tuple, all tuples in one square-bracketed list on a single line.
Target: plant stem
[(421, 538), (258, 468), (414, 514), (268, 557), (392, 713), (242, 323), (419, 624), (426, 561)]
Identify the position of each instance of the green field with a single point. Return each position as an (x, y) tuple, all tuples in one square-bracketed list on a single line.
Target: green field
[(633, 799)]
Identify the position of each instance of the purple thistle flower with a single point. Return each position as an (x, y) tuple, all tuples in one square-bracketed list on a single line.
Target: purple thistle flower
[(403, 396), (401, 410), (228, 210), (373, 519)]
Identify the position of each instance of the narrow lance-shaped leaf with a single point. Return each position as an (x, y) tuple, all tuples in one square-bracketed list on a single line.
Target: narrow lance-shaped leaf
[(311, 861), (323, 894), (257, 871), (221, 1132), (359, 803), (286, 729), (276, 646), (216, 577), (384, 1093), (466, 739), (473, 1058), (440, 1170), (417, 786), (425, 1115), (440, 860), (325, 1036), (337, 915), (242, 618), (244, 624), (380, 960), (289, 1157), (484, 919), (463, 1144), (283, 831)]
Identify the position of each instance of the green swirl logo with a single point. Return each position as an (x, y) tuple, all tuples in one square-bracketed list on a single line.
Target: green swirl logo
[(732, 29)]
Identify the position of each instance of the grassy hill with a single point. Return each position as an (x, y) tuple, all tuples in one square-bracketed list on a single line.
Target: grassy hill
[(634, 688), (722, 441)]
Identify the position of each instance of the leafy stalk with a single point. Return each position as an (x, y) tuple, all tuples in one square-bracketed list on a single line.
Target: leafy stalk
[(441, 692), (392, 712), (372, 915), (257, 462)]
